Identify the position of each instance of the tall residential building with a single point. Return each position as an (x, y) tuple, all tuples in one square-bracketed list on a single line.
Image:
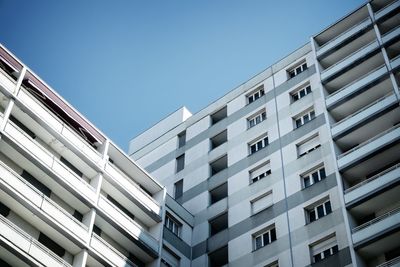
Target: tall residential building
[(299, 165)]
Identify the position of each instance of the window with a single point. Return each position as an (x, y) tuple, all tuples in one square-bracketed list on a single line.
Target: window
[(265, 237), (297, 70), (218, 115), (169, 258), (258, 144), (313, 177), (302, 92), (304, 118), (218, 193), (256, 119), (324, 248), (219, 139), (180, 163), (219, 165), (260, 172), (172, 224), (259, 92), (308, 146), (218, 223), (181, 139), (262, 202), (318, 211), (178, 189)]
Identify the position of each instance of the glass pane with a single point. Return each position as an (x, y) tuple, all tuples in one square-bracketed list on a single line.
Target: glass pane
[(307, 181), (258, 119), (251, 122), (320, 211), (335, 249), (312, 114), (315, 177), (258, 242), (317, 258), (298, 123), (251, 99), (253, 149), (298, 70), (266, 238), (295, 97), (328, 207), (264, 115), (302, 93), (312, 216), (273, 234), (308, 89), (322, 173)]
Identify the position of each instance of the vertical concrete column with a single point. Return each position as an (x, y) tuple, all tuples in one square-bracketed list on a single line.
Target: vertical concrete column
[(80, 259), (88, 220), (7, 113), (96, 183), (19, 81)]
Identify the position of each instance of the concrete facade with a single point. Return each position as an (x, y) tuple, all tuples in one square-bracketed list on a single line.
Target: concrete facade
[(299, 165)]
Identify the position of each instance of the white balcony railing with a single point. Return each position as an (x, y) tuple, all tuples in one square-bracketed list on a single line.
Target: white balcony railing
[(36, 198), (369, 141), (372, 178), (7, 82), (109, 253), (73, 139), (26, 244), (127, 223), (376, 220), (50, 161), (125, 182)]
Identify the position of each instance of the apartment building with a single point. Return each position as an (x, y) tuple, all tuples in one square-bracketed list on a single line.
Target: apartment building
[(68, 195), (297, 166)]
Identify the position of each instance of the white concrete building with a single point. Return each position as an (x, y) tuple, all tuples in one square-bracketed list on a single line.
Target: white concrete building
[(297, 166)]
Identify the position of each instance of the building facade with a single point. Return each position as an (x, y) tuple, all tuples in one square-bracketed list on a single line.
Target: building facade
[(299, 165)]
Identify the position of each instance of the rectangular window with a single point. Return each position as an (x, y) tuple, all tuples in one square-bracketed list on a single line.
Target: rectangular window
[(308, 146), (317, 211), (304, 118), (180, 163), (178, 189), (256, 119), (181, 139), (219, 115), (219, 139), (258, 144), (300, 93), (324, 248), (265, 237), (297, 70), (313, 177), (260, 172), (259, 92), (172, 224), (262, 202)]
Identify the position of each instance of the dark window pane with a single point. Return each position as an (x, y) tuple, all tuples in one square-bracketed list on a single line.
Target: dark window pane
[(295, 97), (96, 230), (178, 189), (322, 173), (258, 242), (266, 238), (317, 258), (335, 249), (50, 244), (307, 182), (36, 183), (312, 216), (77, 215), (315, 177), (298, 123), (273, 234), (302, 93), (328, 207), (320, 211), (4, 210), (308, 89)]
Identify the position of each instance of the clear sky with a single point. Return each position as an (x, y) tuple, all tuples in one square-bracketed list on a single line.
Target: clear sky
[(126, 64)]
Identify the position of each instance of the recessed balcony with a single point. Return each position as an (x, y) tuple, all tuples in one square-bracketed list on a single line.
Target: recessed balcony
[(20, 242), (388, 17)]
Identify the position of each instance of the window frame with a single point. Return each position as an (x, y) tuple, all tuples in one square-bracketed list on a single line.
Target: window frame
[(320, 248), (304, 142), (171, 223), (326, 207), (261, 175), (261, 115), (296, 95), (257, 145), (321, 175), (304, 118), (261, 234), (180, 163), (297, 69), (255, 94)]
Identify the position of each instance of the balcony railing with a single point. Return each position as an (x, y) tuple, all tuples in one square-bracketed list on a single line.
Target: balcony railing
[(29, 245), (48, 159), (127, 223), (368, 141), (387, 9), (7, 81), (372, 178), (109, 253), (38, 199), (59, 127), (377, 219), (361, 110), (125, 182), (392, 262)]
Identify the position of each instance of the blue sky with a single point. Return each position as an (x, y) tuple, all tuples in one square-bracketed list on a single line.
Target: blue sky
[(126, 64)]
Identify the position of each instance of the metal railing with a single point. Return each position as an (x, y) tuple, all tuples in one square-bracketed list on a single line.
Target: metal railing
[(377, 219), (369, 141), (390, 263), (114, 250), (362, 109), (372, 178), (34, 242)]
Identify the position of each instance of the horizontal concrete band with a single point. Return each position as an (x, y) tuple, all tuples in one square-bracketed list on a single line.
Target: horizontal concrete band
[(177, 243), (244, 163), (272, 212), (222, 125)]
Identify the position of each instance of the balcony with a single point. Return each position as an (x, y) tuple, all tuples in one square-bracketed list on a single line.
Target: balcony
[(26, 246), (362, 116), (355, 58), (108, 254), (137, 233), (7, 82), (368, 148), (32, 150), (32, 198), (376, 227), (391, 35), (392, 263), (342, 38), (372, 185), (390, 8), (135, 193), (59, 128)]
